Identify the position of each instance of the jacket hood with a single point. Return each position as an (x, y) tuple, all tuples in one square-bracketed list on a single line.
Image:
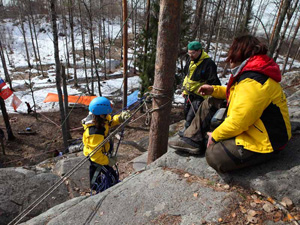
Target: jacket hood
[(263, 64)]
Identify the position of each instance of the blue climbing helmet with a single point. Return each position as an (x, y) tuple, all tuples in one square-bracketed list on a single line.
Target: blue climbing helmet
[(100, 106)]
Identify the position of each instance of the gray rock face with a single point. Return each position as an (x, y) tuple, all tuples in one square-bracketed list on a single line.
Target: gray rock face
[(19, 187), (79, 179), (193, 164), (278, 178), (144, 199)]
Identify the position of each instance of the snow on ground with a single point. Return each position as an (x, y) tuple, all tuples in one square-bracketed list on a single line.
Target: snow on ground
[(108, 87)]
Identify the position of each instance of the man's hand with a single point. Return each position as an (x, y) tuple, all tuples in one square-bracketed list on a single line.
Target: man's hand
[(210, 141), (206, 89), (182, 94)]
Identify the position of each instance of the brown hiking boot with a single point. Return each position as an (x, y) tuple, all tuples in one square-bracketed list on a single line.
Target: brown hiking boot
[(181, 145)]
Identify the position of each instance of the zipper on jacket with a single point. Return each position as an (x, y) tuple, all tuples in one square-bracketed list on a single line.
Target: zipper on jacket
[(258, 129)]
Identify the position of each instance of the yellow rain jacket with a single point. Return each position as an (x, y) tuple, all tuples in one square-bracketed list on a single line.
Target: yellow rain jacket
[(257, 113), (94, 136), (203, 71)]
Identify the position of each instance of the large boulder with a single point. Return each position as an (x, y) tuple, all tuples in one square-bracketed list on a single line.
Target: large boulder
[(20, 187), (155, 196), (79, 181), (278, 178)]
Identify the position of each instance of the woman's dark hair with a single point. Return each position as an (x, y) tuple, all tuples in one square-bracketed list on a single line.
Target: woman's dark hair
[(98, 121), (244, 47)]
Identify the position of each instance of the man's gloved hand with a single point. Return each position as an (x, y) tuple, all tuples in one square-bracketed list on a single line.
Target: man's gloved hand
[(113, 161), (124, 116)]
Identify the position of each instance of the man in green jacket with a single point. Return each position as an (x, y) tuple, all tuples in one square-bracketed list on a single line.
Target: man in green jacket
[(200, 69)]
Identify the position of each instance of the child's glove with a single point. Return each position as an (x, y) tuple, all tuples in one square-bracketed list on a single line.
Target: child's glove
[(124, 116), (113, 161)]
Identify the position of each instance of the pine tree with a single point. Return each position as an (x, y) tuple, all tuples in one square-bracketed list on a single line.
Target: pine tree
[(146, 62)]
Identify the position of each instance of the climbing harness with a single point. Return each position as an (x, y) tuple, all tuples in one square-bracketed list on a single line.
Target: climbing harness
[(104, 178)]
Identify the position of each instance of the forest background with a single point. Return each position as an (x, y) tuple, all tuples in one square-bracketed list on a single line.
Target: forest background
[(75, 46)]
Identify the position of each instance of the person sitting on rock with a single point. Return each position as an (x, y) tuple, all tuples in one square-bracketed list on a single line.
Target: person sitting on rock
[(200, 69), (257, 123), (96, 129)]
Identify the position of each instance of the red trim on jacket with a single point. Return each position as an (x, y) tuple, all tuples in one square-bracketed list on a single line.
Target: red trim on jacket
[(259, 63)]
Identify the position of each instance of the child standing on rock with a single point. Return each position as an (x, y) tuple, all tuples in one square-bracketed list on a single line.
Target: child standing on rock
[(96, 129)]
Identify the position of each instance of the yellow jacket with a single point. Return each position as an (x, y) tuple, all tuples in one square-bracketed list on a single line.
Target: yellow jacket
[(94, 136), (257, 114), (198, 73)]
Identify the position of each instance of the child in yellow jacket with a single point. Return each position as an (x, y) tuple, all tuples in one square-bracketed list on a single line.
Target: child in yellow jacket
[(96, 129)]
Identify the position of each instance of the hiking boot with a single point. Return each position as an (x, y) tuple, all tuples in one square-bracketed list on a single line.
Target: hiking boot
[(181, 145)]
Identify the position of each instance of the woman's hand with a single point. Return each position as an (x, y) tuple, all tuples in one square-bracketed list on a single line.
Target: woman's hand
[(210, 141), (206, 89)]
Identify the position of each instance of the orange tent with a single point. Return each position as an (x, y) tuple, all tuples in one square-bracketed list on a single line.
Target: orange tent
[(85, 100)]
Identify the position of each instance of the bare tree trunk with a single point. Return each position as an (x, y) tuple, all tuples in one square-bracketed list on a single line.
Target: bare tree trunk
[(36, 39), (166, 56), (83, 49), (294, 21), (66, 42), (275, 39), (93, 53), (32, 95), (109, 49), (282, 36), (100, 37), (66, 102), (213, 24), (295, 56), (146, 33), (247, 17), (71, 22), (25, 42), (219, 31), (103, 46), (276, 21), (258, 19), (135, 42), (256, 16), (203, 19), (125, 49), (290, 46), (238, 22), (7, 56), (58, 74), (232, 18), (6, 74), (32, 40), (10, 135), (198, 13)]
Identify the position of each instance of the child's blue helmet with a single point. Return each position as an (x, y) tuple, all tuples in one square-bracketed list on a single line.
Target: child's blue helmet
[(100, 106)]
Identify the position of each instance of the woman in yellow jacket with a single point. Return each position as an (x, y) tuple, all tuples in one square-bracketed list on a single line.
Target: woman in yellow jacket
[(257, 120), (96, 128)]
